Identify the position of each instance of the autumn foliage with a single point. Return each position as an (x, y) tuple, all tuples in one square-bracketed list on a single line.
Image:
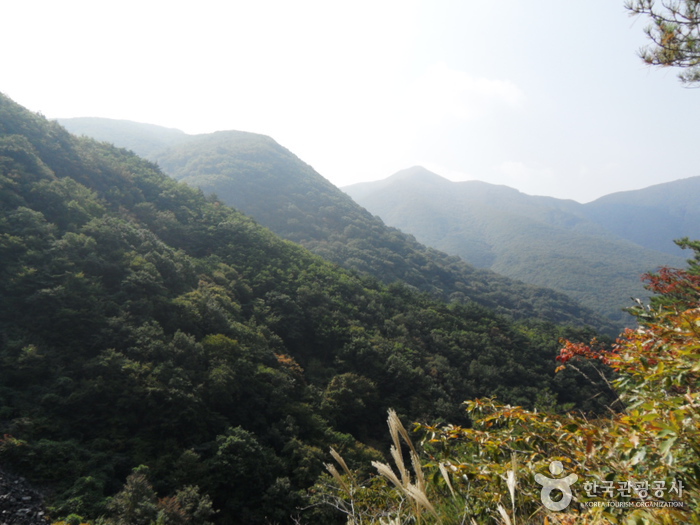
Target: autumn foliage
[(636, 465)]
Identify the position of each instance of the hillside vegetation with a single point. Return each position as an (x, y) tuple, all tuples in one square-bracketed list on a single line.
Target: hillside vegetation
[(594, 253), (269, 183), (651, 216), (638, 464), (152, 336)]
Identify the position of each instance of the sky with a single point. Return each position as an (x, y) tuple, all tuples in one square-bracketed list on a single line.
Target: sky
[(546, 96)]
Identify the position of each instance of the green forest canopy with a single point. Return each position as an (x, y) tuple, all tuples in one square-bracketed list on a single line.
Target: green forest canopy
[(142, 323), (259, 177)]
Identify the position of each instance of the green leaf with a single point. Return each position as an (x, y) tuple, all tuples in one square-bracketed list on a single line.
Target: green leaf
[(666, 445)]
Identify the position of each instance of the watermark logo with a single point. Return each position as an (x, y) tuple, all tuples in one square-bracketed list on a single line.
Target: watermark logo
[(561, 484), (649, 494)]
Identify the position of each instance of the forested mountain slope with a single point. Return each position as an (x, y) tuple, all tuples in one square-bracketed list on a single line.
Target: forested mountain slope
[(541, 240), (142, 323), (651, 217), (266, 181)]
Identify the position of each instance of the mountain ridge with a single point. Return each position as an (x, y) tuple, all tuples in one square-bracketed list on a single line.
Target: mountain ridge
[(269, 183), (318, 219), (563, 244), (646, 216), (147, 329), (679, 192)]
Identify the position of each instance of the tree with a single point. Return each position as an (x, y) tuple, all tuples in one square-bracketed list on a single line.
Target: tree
[(675, 35), (138, 504), (636, 465)]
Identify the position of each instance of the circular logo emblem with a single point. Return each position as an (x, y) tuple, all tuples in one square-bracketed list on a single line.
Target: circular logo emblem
[(561, 484)]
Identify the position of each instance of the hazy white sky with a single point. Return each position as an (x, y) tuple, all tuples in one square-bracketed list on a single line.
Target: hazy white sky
[(547, 96)]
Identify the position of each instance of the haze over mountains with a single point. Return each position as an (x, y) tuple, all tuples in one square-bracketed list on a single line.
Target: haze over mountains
[(263, 179), (649, 217), (594, 252)]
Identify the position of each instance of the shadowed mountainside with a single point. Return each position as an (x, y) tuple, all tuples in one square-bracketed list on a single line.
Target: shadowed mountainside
[(266, 181), (147, 328)]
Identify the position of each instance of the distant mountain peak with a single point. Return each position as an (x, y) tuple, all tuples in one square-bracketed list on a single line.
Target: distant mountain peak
[(414, 177), (415, 171), (590, 252), (417, 174)]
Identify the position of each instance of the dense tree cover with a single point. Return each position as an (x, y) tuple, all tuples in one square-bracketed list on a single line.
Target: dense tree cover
[(626, 465), (674, 33), (142, 323), (582, 250), (259, 177)]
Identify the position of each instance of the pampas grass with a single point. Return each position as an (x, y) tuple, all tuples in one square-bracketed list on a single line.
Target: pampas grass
[(446, 477), (386, 471), (411, 486), (415, 491)]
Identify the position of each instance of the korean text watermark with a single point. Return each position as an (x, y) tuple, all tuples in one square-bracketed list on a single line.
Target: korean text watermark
[(557, 493)]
